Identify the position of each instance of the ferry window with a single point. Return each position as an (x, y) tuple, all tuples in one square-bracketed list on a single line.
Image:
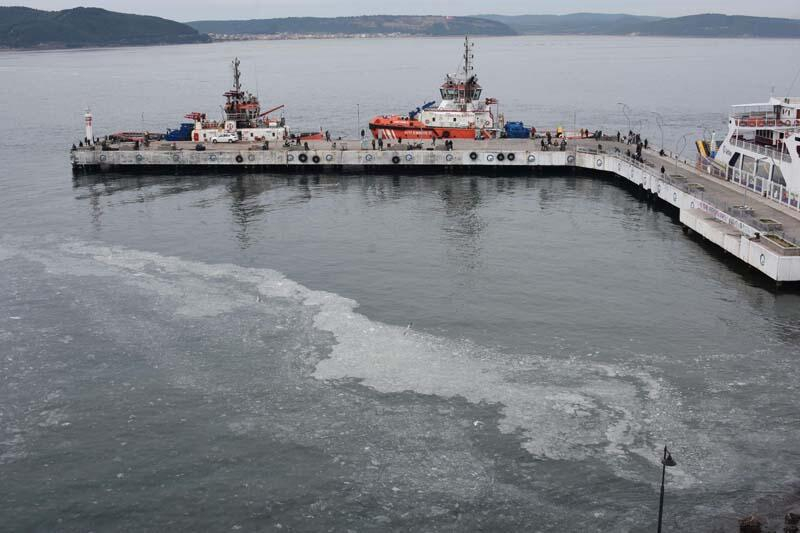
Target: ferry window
[(762, 169), (454, 119), (478, 93), (734, 159), (777, 175), (748, 164)]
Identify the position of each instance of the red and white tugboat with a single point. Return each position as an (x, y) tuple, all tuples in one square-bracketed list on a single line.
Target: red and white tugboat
[(244, 119), (460, 115)]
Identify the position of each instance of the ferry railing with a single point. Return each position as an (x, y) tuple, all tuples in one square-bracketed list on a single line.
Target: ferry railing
[(734, 209), (763, 150)]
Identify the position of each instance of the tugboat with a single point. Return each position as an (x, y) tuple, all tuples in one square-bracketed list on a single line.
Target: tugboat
[(460, 115), (761, 150), (243, 117)]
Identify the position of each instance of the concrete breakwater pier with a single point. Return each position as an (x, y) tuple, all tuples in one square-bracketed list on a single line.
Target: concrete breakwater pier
[(753, 229)]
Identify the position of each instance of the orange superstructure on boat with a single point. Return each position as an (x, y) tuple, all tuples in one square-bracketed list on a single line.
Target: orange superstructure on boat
[(461, 114)]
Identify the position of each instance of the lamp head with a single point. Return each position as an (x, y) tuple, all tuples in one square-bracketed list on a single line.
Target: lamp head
[(668, 460)]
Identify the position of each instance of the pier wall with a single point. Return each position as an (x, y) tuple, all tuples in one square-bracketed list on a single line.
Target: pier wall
[(696, 212)]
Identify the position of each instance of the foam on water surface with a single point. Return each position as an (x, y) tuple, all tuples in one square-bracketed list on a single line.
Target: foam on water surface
[(563, 409)]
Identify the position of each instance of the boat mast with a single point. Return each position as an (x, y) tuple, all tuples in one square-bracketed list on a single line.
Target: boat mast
[(237, 86), (467, 72), (235, 96)]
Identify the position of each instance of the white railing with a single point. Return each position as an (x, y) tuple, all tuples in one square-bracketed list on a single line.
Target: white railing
[(763, 150), (765, 188)]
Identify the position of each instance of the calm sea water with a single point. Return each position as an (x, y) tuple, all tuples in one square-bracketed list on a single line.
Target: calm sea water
[(234, 352)]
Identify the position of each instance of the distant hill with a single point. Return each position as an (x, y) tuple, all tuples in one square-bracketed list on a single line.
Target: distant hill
[(369, 25), (22, 27), (708, 25), (713, 25), (576, 23)]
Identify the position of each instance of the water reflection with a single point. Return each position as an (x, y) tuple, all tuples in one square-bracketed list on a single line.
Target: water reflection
[(250, 199), (463, 224), (245, 206)]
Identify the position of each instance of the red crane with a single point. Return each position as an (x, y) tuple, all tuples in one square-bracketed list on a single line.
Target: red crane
[(268, 111)]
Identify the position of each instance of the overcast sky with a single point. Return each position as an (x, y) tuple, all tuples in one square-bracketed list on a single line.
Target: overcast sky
[(186, 10)]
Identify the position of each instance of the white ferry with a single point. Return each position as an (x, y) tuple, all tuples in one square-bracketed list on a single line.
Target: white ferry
[(762, 149)]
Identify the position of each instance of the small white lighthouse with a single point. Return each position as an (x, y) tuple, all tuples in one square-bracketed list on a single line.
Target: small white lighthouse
[(87, 119)]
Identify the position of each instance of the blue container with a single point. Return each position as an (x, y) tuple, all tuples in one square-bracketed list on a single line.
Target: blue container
[(184, 133), (517, 130)]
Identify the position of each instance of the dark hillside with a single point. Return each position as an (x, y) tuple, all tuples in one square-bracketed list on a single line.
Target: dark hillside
[(31, 28)]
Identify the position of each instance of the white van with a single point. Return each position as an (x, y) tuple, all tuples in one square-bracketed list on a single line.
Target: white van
[(224, 138)]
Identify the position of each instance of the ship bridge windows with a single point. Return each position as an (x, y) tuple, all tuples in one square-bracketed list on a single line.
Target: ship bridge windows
[(455, 92), (448, 93)]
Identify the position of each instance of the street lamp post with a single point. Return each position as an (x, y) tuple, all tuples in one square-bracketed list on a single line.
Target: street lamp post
[(660, 124), (683, 147), (666, 461), (625, 110)]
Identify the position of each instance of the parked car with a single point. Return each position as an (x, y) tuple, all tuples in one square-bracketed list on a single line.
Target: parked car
[(224, 138)]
